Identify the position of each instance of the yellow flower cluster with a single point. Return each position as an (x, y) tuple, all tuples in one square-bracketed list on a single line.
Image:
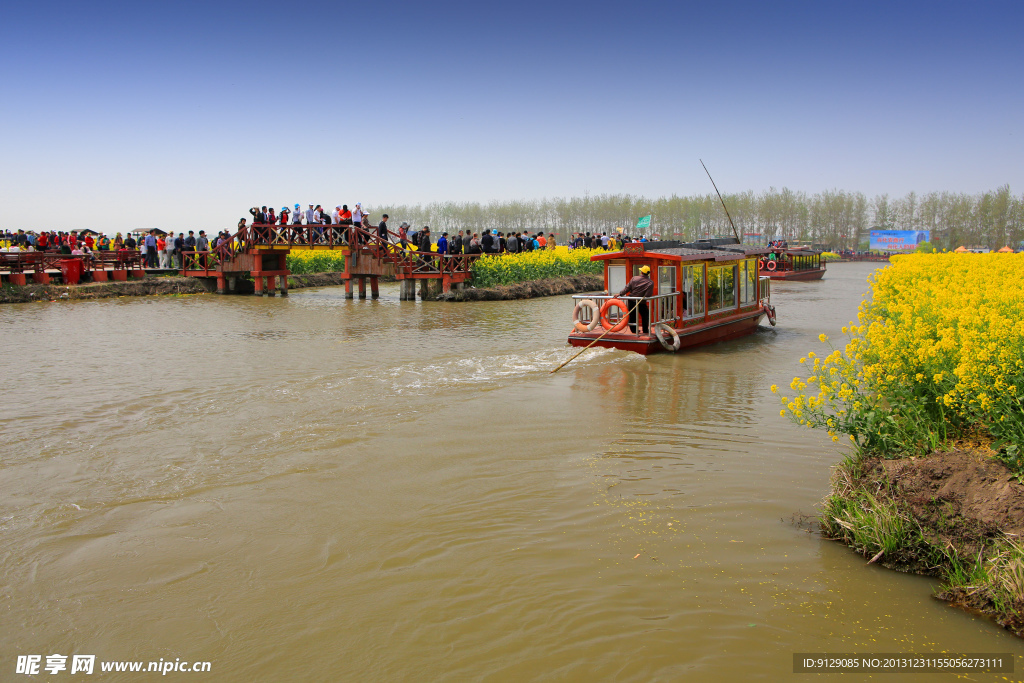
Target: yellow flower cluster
[(506, 269), (937, 350), (304, 261)]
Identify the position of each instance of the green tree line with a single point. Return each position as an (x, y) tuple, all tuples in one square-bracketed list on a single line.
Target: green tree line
[(835, 218)]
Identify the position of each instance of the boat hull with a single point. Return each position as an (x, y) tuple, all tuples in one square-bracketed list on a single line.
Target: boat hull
[(711, 332), (793, 274)]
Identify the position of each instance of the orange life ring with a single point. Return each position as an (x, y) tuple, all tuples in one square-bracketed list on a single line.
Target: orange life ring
[(595, 316), (770, 312), (760, 264), (606, 323), (770, 265)]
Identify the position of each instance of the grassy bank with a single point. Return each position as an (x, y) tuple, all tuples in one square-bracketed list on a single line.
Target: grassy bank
[(933, 362)]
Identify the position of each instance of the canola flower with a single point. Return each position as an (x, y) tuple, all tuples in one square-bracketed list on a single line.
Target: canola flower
[(506, 269), (306, 261), (937, 352)]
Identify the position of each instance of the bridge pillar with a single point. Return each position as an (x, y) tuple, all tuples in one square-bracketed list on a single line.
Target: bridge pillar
[(407, 290), (362, 286), (233, 284), (424, 289), (374, 287), (222, 284), (446, 284), (259, 286), (270, 286), (284, 284), (348, 288)]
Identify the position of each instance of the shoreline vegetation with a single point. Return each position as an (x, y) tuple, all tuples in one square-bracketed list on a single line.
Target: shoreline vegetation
[(926, 389), (836, 217)]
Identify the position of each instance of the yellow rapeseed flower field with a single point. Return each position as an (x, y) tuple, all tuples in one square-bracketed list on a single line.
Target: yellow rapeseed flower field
[(937, 352), (305, 261), (506, 269)]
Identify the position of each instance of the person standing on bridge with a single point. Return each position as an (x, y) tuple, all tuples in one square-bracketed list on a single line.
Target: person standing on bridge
[(382, 229), (442, 244), (161, 250), (423, 243), (150, 243)]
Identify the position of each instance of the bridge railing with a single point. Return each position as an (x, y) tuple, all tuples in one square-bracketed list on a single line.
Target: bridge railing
[(362, 237)]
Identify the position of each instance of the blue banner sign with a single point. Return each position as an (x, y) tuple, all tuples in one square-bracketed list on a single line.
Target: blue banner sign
[(897, 240)]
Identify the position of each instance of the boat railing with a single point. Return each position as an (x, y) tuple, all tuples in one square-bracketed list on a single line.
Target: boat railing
[(662, 307), (765, 287)]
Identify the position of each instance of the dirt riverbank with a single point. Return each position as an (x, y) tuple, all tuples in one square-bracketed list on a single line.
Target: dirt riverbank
[(570, 284), (154, 286), (958, 515), (149, 286)]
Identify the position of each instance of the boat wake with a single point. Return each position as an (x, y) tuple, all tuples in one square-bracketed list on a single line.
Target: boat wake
[(411, 377)]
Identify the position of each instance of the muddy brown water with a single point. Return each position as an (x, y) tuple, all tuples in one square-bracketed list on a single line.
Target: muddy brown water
[(318, 489)]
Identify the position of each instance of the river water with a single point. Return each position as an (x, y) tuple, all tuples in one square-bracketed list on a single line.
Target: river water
[(309, 488)]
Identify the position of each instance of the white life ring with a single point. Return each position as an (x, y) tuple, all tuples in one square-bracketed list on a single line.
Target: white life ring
[(595, 316), (664, 332), (770, 312)]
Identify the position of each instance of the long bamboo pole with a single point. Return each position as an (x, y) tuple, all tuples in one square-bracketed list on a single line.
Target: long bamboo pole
[(596, 340), (734, 230)]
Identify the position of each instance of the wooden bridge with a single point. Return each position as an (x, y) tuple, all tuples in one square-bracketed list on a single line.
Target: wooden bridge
[(43, 266), (261, 250)]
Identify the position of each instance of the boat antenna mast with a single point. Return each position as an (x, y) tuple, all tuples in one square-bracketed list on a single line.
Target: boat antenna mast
[(734, 231)]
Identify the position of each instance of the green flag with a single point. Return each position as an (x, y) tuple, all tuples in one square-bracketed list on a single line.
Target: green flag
[(644, 222)]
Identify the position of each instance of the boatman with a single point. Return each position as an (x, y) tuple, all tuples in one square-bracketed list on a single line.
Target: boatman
[(642, 286)]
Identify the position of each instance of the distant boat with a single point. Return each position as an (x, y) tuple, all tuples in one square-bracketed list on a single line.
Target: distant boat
[(704, 292), (792, 264)]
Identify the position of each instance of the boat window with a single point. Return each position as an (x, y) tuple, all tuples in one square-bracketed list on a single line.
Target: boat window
[(666, 279), (693, 288), (714, 289), (666, 308), (616, 279), (721, 288), (748, 281)]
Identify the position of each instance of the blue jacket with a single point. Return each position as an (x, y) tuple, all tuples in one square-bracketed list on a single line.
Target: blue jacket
[(442, 245)]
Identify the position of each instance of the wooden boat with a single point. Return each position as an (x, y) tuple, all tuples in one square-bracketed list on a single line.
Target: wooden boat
[(704, 292), (792, 264)]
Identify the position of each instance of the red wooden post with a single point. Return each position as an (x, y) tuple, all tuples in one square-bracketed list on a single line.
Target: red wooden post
[(362, 287), (374, 287), (259, 285), (348, 287), (270, 286)]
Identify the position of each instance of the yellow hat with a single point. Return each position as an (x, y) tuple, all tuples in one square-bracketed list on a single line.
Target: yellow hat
[(645, 270)]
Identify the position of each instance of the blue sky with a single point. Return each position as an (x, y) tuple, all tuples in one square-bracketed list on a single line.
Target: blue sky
[(136, 114)]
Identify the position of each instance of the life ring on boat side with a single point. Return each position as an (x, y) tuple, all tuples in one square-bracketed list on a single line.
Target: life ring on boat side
[(664, 333), (770, 312), (606, 323), (770, 265), (595, 316), (760, 264)]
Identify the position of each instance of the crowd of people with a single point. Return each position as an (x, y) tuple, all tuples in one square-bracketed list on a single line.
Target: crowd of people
[(165, 250), (157, 248)]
